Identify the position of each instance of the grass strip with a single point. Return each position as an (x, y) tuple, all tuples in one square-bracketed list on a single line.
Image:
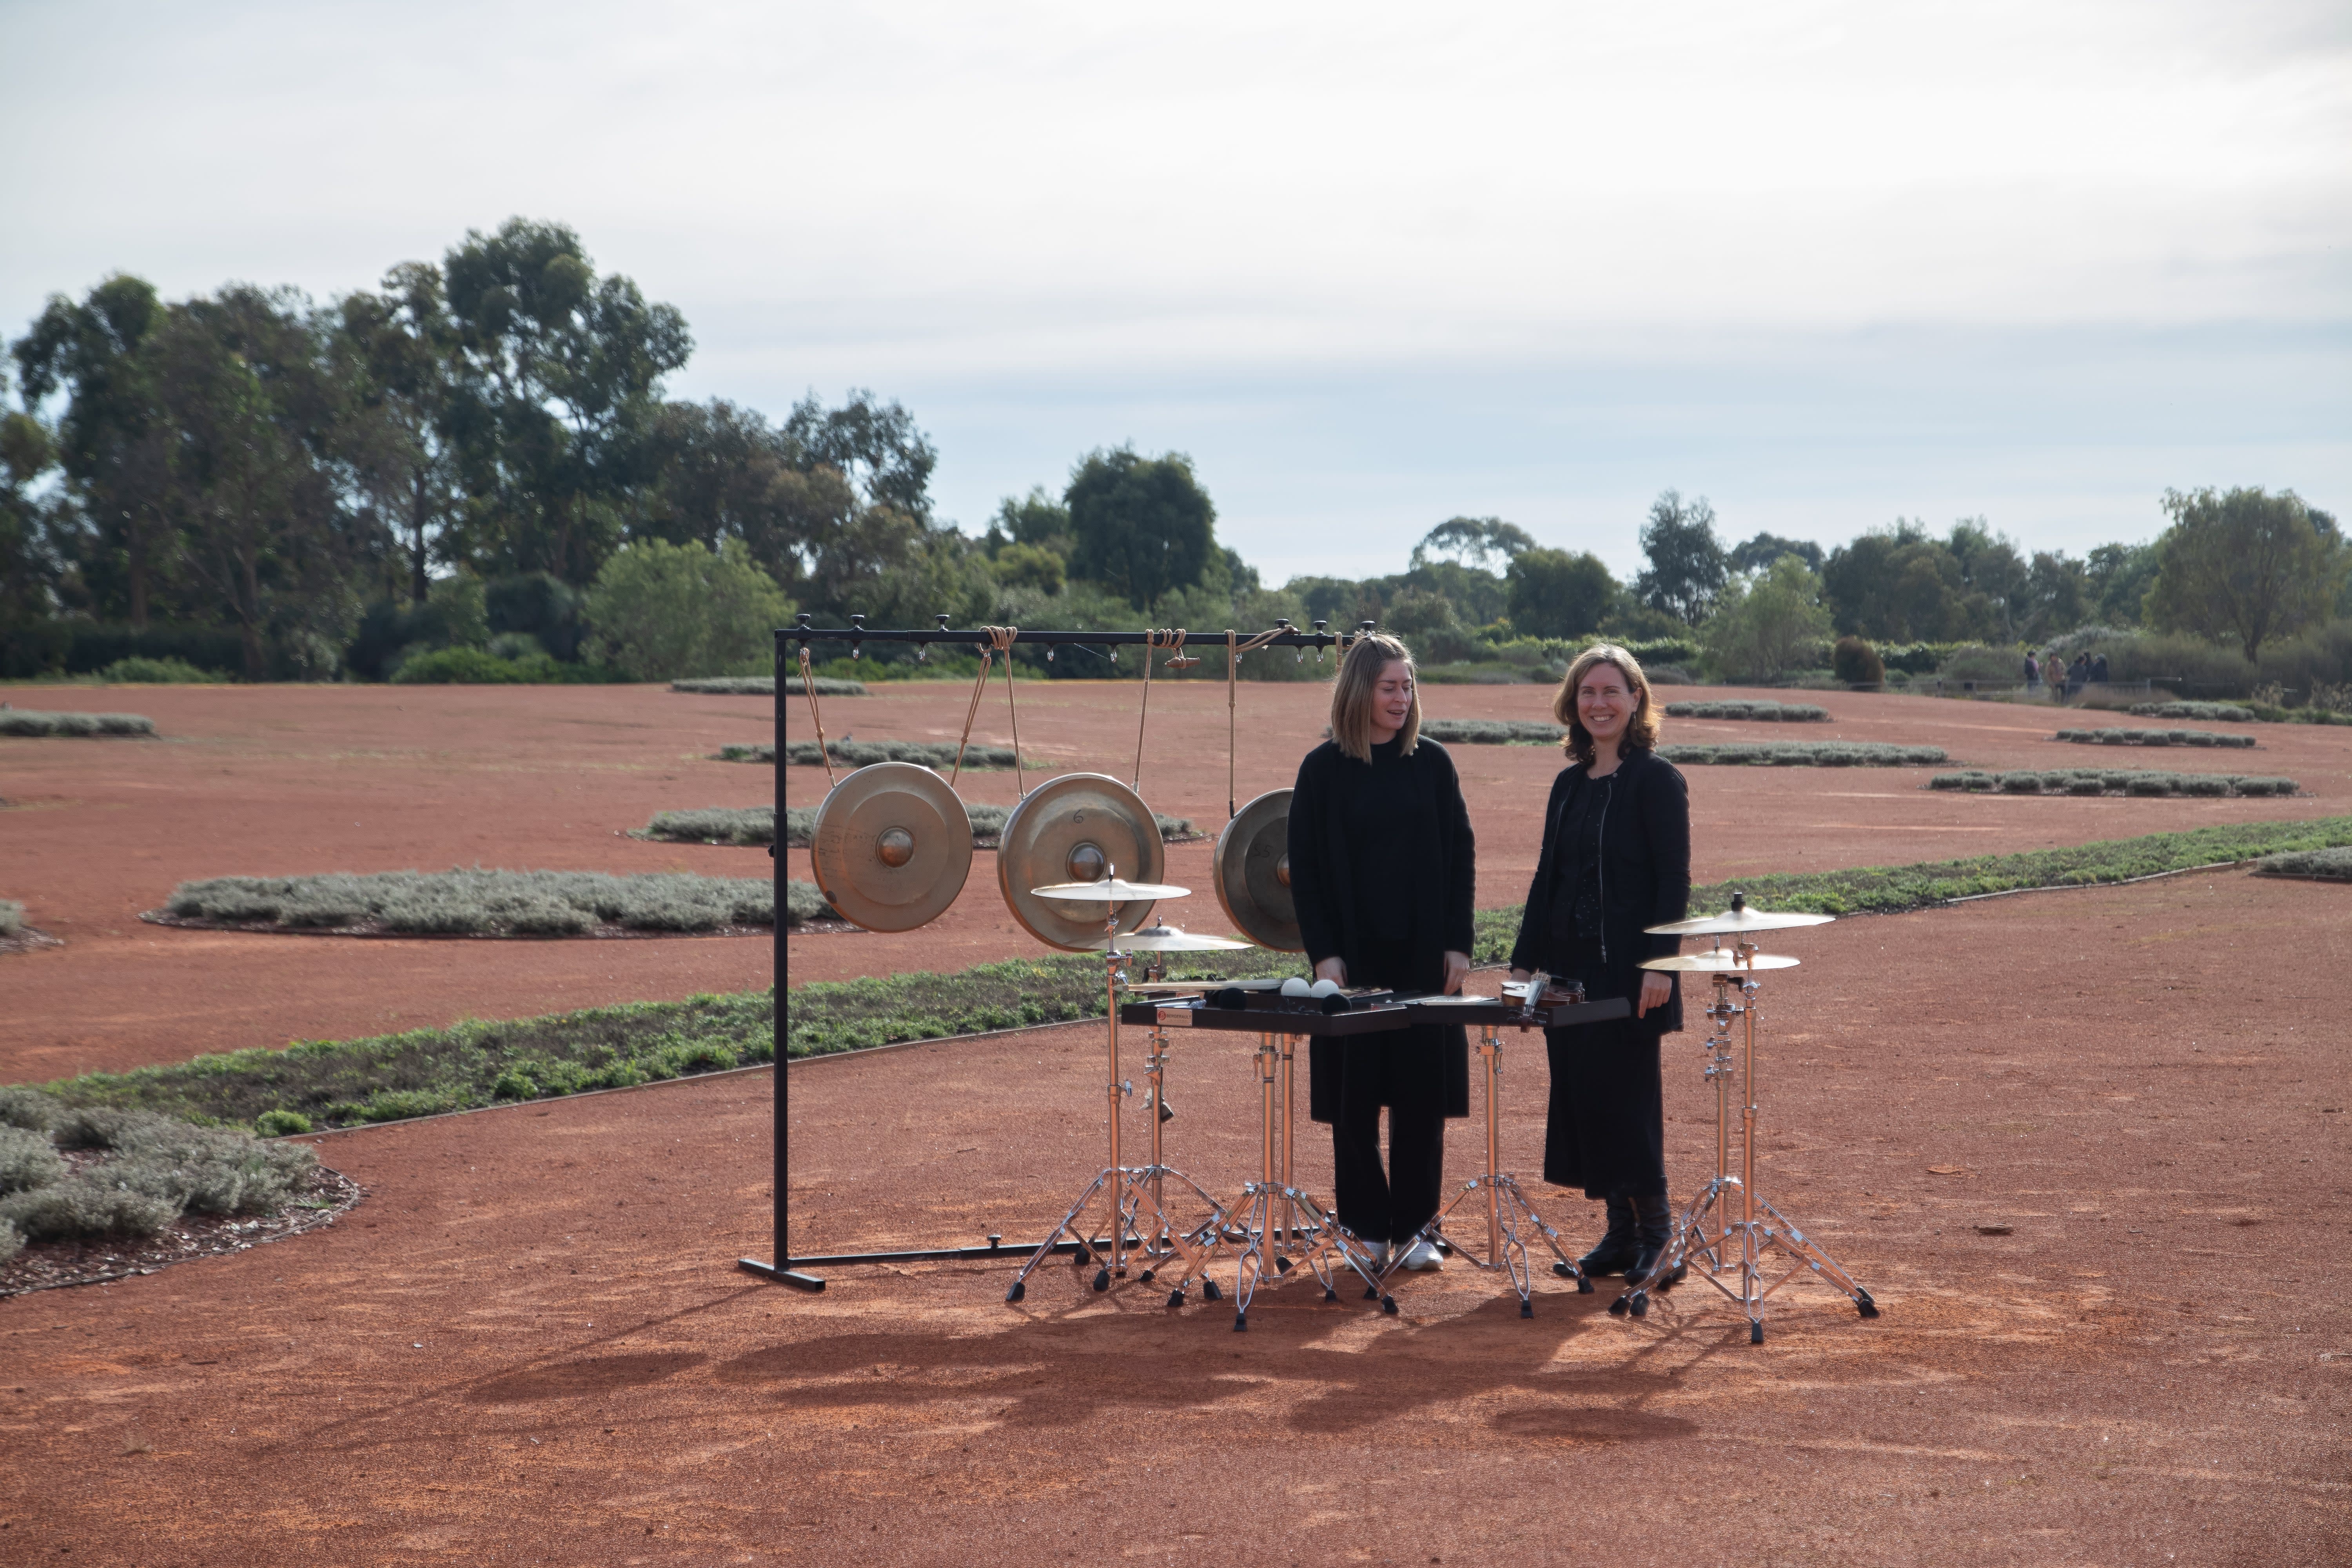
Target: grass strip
[(2152, 738), (332, 1083), (2150, 782), (37, 722), (1765, 712), (1802, 754), (756, 824)]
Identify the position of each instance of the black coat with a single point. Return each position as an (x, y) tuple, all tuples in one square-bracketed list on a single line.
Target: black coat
[(1644, 881), (1331, 921)]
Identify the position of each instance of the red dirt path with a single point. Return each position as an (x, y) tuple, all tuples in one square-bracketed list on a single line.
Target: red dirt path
[(278, 780), (529, 1346)]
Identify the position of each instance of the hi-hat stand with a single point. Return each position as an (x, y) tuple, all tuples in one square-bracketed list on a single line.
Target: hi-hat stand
[(1706, 1234)]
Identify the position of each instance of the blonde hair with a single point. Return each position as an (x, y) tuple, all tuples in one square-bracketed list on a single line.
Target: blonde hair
[(1351, 695), (1641, 730)]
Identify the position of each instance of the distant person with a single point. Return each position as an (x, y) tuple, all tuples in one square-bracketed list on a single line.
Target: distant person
[(2032, 676), (2078, 674), (2053, 673), (2099, 670)]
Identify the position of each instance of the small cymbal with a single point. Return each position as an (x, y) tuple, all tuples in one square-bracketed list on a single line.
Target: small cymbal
[(1110, 890), (1721, 961), (1172, 938), (1741, 916)]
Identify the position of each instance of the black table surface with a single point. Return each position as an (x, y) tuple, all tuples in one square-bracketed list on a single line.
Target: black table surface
[(1405, 1013)]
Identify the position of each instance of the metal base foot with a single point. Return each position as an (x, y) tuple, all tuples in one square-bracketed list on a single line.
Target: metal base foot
[(786, 1274)]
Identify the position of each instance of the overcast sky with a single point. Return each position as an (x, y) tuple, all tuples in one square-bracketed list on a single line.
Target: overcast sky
[(1371, 266)]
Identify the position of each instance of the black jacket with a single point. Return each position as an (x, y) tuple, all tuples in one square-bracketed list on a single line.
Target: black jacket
[(1330, 921), (1644, 881)]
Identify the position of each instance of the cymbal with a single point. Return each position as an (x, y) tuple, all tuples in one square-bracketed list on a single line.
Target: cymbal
[(1252, 871), (1174, 939), (1079, 829), (891, 846), (1721, 960), (1110, 890), (1740, 917)]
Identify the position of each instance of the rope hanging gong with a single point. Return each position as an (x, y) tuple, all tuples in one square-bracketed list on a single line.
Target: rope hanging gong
[(808, 689)]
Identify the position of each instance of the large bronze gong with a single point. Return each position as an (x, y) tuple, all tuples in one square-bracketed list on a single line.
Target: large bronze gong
[(1253, 873), (1076, 828), (891, 846)]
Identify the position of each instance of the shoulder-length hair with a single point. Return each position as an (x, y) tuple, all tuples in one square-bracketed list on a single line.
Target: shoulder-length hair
[(1641, 730), (1351, 695)]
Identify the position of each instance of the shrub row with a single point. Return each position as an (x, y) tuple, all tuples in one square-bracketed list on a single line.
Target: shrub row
[(1768, 713), (765, 686), (2152, 738), (938, 755), (2110, 781), (30, 648), (2208, 712), (475, 666), (151, 1169), (1492, 732), (1802, 754), (37, 722), (2321, 865), (756, 824), (482, 902), (143, 671)]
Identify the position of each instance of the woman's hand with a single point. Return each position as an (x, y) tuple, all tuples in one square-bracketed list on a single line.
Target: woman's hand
[(1520, 976), (1457, 970), (1334, 970), (1657, 990)]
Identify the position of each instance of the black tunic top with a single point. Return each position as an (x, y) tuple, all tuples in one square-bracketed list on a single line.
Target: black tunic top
[(1382, 862), (1637, 852)]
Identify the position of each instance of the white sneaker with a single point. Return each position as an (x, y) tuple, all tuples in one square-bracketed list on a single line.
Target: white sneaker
[(1423, 1258), (1380, 1251)]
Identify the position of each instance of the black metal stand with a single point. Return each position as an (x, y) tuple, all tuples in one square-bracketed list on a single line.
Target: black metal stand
[(786, 1270)]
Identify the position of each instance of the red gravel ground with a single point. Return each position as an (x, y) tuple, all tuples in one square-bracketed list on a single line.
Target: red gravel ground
[(529, 1346), (281, 780)]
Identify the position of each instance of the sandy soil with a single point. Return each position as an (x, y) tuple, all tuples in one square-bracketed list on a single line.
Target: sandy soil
[(529, 1344), (276, 780)]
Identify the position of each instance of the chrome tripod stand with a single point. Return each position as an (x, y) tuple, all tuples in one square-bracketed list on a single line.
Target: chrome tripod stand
[(1706, 1234), (1271, 1209)]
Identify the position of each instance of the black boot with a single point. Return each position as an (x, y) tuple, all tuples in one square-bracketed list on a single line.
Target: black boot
[(1617, 1245), (1652, 1227)]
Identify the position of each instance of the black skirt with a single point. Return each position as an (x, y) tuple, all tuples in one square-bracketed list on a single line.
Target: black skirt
[(1607, 1129)]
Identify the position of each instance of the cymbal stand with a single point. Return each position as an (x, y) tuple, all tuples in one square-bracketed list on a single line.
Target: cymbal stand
[(1123, 1194), (1508, 1208), (1704, 1232), (1196, 1248), (1270, 1208)]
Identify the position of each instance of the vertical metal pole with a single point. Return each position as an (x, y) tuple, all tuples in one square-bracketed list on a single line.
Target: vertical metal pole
[(1110, 1013), (780, 1269), (1491, 1047), (1290, 1137), (1748, 1252)]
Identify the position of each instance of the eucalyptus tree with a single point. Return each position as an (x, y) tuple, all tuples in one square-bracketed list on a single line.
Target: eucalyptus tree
[(397, 348)]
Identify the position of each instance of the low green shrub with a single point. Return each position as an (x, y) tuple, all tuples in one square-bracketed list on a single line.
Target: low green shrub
[(1856, 663), (2321, 865), (27, 1159), (1765, 712), (37, 722), (938, 755), (281, 1123), (138, 670), (765, 686), (21, 1105), (475, 666), (84, 1207), (1492, 732), (2207, 712), (12, 917), (2152, 738), (12, 1241), (2098, 781), (481, 901), (1802, 754)]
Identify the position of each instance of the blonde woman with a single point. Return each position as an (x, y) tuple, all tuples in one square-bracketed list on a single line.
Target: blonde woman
[(1382, 869), (1616, 858)]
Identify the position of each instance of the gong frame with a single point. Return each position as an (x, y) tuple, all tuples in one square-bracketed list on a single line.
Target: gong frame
[(781, 1266)]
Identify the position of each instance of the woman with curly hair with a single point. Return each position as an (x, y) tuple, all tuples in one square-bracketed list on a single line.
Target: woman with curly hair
[(1615, 860)]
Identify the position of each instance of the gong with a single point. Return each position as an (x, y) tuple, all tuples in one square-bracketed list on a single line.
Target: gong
[(1078, 827), (1252, 866), (891, 846)]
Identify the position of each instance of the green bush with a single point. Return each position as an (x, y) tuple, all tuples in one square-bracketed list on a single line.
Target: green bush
[(1856, 663), (2120, 737), (2321, 865), (281, 1123), (27, 1159), (458, 667), (21, 1105), (138, 670), (1492, 732), (2097, 781), (36, 721), (1984, 666), (1765, 712), (481, 901), (12, 917), (664, 612), (765, 686), (84, 1207), (2208, 712), (1802, 754), (12, 1242)]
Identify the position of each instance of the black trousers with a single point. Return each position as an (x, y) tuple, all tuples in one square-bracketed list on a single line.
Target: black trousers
[(1406, 1072), (1607, 1130)]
